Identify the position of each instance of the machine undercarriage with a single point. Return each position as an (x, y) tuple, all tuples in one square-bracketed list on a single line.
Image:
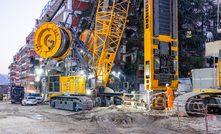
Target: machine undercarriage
[(194, 103)]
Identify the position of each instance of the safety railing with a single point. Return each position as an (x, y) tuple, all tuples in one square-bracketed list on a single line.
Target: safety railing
[(196, 112), (213, 117), (45, 9), (145, 101), (136, 100)]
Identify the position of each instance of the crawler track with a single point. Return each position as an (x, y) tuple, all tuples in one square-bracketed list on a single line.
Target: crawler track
[(71, 103), (196, 102)]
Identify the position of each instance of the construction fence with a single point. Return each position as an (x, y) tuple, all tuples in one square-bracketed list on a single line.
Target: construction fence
[(201, 110), (146, 101)]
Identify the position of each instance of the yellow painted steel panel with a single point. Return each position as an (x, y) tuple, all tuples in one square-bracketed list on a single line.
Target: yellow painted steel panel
[(72, 84), (150, 82), (206, 90)]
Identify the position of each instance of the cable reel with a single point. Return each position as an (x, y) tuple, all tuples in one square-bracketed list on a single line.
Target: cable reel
[(51, 41)]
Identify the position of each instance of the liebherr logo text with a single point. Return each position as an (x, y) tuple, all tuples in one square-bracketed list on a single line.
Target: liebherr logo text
[(147, 13)]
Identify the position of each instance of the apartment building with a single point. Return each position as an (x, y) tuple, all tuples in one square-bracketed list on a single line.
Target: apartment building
[(61, 15), (27, 61), (21, 71), (13, 72)]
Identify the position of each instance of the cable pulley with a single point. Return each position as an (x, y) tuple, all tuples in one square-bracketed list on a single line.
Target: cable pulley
[(51, 41)]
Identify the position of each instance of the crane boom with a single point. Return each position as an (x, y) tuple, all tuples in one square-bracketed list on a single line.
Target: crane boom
[(109, 28)]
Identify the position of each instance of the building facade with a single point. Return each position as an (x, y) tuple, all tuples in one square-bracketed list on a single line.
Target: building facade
[(26, 62), (13, 72), (21, 72), (62, 14)]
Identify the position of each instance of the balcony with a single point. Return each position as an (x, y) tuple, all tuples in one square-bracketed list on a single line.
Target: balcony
[(46, 8), (25, 64), (17, 84), (49, 9), (12, 77), (24, 57), (31, 82), (23, 80), (11, 66), (30, 74), (19, 74), (27, 73), (24, 72), (13, 72), (11, 82)]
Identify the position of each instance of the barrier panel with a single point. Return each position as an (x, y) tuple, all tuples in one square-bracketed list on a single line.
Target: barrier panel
[(213, 117)]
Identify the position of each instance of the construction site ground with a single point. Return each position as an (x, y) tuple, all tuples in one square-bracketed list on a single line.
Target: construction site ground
[(17, 119)]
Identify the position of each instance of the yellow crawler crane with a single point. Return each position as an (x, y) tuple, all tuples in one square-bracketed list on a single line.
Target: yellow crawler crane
[(92, 57)]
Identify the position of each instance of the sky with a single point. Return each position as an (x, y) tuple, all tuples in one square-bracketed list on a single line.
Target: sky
[(17, 19)]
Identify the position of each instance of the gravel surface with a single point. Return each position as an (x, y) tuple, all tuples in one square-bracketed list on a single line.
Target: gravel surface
[(17, 119)]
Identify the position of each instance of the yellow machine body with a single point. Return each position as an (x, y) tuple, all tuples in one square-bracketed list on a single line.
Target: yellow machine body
[(51, 95), (48, 41), (207, 90), (83, 37), (66, 84), (89, 44), (158, 37), (219, 69)]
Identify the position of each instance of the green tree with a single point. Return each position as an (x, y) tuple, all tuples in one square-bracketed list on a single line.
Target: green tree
[(194, 17), (36, 84), (135, 39)]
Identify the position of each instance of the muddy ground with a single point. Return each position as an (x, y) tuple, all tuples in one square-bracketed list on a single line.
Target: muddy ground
[(17, 119)]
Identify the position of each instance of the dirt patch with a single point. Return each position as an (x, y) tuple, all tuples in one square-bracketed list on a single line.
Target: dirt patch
[(100, 120)]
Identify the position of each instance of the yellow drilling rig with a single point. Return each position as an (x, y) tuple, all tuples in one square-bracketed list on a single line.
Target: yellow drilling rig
[(84, 59)]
